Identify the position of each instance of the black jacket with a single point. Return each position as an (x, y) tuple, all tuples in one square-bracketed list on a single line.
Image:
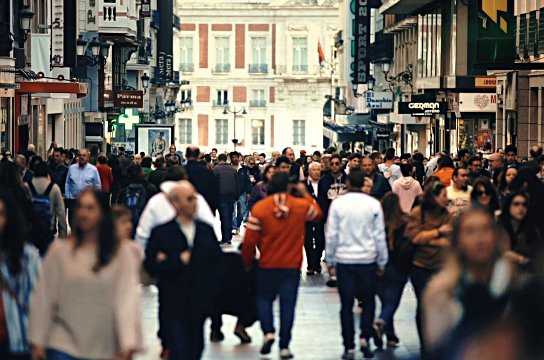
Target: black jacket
[(205, 182), (58, 175), (229, 184), (327, 182), (380, 186), (243, 180), (187, 291)]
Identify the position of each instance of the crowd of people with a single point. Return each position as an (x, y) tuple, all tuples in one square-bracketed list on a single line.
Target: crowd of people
[(81, 232)]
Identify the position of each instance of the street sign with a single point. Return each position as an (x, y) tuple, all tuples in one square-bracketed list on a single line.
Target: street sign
[(10, 86)]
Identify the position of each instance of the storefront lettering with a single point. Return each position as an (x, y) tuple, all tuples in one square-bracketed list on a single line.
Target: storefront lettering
[(361, 41), (424, 106)]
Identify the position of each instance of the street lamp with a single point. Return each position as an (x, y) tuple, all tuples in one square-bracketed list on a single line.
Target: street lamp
[(405, 76), (97, 49), (105, 49), (81, 46), (25, 21), (145, 82), (370, 84), (235, 112)]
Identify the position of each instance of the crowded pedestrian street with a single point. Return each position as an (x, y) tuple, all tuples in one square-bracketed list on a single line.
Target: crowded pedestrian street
[(314, 335)]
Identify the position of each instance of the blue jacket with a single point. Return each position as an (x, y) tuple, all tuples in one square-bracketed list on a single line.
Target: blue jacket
[(81, 178), (243, 178)]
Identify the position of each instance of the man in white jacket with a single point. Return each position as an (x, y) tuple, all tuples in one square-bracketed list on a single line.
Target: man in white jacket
[(357, 249)]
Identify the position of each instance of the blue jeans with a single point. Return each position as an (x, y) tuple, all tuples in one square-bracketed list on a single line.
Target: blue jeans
[(420, 277), (356, 280), (390, 288), (186, 339), (53, 354), (226, 209), (242, 212), (271, 283)]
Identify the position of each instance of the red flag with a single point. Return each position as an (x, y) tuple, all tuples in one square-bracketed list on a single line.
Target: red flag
[(320, 52)]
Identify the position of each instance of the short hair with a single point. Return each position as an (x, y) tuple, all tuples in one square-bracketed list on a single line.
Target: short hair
[(537, 153), (457, 169), (222, 157), (215, 149), (511, 148), (58, 149), (207, 158), (356, 179), (317, 153), (374, 156), (263, 155), (147, 161), (390, 154), (134, 171), (118, 211), (278, 183), (192, 152), (284, 151), (282, 159), (159, 161), (173, 160), (234, 153), (175, 173), (473, 159), (461, 153), (336, 156), (313, 164), (40, 169), (406, 169), (355, 156), (102, 160)]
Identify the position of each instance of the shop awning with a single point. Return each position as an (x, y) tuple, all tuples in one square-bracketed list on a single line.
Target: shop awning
[(60, 87), (403, 6)]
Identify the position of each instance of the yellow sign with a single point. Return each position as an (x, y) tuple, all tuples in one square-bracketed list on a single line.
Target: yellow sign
[(492, 8), (485, 82)]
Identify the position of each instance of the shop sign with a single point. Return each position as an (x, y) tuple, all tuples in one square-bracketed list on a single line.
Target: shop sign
[(430, 108), (129, 99), (379, 99), (145, 10), (10, 86), (361, 36), (485, 82), (92, 15), (477, 102)]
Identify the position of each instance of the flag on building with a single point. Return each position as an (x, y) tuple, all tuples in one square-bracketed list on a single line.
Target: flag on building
[(320, 52)]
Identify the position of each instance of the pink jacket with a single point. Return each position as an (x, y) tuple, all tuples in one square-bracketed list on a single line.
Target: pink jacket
[(407, 188)]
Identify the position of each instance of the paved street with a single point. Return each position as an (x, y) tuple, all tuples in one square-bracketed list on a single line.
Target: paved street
[(316, 334)]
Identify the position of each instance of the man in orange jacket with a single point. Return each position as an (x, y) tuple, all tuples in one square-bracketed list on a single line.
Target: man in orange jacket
[(277, 227)]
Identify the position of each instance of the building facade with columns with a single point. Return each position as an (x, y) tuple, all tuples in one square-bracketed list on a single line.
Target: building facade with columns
[(273, 59)]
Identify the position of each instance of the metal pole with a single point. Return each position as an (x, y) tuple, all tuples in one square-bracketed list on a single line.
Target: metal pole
[(234, 112)]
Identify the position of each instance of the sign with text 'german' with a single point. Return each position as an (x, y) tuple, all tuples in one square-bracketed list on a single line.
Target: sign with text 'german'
[(430, 108)]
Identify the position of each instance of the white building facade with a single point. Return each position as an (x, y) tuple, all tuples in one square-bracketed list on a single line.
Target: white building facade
[(259, 57)]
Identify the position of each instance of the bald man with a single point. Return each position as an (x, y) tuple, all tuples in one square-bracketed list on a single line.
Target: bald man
[(186, 259), (495, 167)]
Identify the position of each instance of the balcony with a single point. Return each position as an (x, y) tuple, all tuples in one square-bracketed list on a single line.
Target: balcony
[(118, 19), (258, 69), (302, 71), (220, 103), (221, 68), (187, 68), (257, 103)]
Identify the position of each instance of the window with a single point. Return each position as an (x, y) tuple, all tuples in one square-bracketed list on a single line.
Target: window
[(185, 131), (185, 95), (300, 55), (257, 132), (221, 132), (222, 98), (429, 44), (222, 54), (258, 55), (258, 99), (186, 55), (299, 132)]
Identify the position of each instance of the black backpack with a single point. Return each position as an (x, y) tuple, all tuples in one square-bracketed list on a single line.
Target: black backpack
[(43, 224), (134, 197)]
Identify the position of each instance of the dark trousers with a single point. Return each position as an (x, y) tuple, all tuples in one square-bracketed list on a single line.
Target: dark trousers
[(7, 355), (390, 289), (314, 244), (71, 208), (186, 339), (271, 283), (420, 277), (226, 209), (356, 281), (53, 354)]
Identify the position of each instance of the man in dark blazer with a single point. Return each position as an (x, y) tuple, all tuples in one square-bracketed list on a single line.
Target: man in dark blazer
[(185, 257), (314, 239), (202, 178)]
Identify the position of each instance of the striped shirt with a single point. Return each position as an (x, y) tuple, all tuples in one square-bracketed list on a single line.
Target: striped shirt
[(16, 310)]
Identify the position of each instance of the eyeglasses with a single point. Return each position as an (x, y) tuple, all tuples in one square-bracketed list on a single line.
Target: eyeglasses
[(335, 163), (482, 193), (519, 203)]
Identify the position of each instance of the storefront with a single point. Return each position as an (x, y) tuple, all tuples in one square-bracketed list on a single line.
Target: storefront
[(7, 100), (476, 122)]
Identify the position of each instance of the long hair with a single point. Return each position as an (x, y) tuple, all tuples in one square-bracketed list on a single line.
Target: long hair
[(107, 238), (265, 170), (13, 236), (393, 215), (428, 203), (502, 180), (494, 204)]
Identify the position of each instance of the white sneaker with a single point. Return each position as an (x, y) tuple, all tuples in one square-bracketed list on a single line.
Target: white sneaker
[(286, 354)]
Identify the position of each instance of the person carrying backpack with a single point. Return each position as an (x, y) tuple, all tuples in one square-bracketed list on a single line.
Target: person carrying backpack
[(48, 205), (135, 195)]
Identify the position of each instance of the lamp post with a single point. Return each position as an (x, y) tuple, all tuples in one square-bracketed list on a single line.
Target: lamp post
[(99, 51), (370, 85), (235, 112), (405, 76), (145, 82), (25, 21)]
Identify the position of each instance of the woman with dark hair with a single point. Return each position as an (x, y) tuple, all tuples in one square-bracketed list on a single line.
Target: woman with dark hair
[(428, 227), (527, 181), (506, 178), (485, 196), (524, 239), (260, 191), (86, 302), (396, 273), (445, 170), (472, 292), (19, 271)]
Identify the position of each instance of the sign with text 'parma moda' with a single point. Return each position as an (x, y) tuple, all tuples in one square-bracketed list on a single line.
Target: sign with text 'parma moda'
[(379, 99), (430, 108), (128, 99)]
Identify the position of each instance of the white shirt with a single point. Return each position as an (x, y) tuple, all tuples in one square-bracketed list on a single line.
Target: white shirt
[(189, 231), (314, 185), (159, 211), (393, 169)]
